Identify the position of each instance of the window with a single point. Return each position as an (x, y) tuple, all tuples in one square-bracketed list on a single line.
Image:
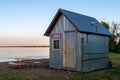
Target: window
[(56, 44)]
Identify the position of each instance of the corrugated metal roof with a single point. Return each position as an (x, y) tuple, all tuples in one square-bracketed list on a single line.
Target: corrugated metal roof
[(81, 22)]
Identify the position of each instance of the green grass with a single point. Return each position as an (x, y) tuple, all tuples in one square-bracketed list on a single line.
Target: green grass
[(105, 75), (114, 56), (23, 76), (108, 74)]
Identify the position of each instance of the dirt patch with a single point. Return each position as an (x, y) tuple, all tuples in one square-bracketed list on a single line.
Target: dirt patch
[(42, 70)]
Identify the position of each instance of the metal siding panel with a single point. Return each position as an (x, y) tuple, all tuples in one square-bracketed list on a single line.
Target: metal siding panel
[(56, 58), (61, 54), (96, 55), (107, 44), (95, 64), (51, 62), (66, 21), (97, 44), (101, 63), (78, 53), (59, 25), (62, 25), (86, 66), (50, 54)]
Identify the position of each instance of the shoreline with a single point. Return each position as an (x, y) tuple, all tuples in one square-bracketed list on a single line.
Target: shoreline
[(15, 60), (33, 60)]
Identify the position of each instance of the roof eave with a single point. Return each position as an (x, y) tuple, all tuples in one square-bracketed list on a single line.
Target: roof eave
[(95, 33)]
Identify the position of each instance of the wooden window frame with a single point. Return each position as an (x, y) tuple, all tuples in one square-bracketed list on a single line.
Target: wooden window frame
[(53, 44)]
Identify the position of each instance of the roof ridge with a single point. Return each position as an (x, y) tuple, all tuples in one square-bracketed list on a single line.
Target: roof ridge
[(76, 13)]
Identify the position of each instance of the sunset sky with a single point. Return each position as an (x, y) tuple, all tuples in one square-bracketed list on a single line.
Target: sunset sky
[(23, 22)]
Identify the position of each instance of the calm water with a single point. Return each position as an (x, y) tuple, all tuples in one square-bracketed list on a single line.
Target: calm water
[(9, 54)]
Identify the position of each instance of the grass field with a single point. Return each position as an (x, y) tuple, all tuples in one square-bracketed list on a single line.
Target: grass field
[(114, 56), (107, 74)]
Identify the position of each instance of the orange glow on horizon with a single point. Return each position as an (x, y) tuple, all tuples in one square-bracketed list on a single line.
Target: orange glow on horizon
[(24, 41)]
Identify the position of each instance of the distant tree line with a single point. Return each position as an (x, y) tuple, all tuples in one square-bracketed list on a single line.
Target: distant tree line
[(114, 42)]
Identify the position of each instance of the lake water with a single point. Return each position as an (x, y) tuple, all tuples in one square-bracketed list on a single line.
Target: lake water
[(9, 54)]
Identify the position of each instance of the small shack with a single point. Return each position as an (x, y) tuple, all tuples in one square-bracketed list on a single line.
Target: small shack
[(77, 42)]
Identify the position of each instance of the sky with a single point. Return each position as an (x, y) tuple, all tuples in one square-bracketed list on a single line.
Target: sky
[(23, 22)]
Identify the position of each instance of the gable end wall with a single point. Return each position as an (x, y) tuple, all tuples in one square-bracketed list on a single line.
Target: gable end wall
[(56, 56)]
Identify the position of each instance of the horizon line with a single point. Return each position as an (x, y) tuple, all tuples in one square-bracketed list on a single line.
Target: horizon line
[(27, 46)]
